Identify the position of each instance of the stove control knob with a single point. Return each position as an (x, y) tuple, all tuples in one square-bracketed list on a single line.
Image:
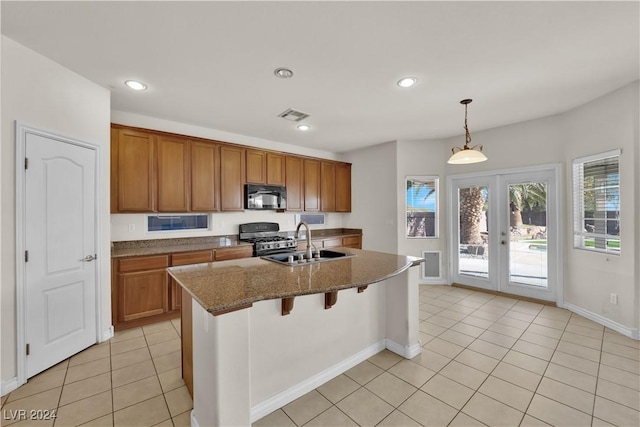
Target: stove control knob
[(277, 245)]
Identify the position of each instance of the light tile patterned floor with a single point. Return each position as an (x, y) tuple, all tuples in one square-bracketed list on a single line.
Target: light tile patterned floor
[(486, 360), (134, 379)]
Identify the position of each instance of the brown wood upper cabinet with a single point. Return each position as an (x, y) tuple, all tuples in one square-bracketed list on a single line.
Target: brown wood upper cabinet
[(265, 168), (205, 173), (173, 174), (133, 171), (294, 177), (311, 185), (327, 186), (343, 187), (276, 169), (231, 178), (154, 171), (256, 167)]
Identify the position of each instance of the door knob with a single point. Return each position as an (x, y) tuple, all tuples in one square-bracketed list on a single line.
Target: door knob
[(90, 258), (504, 242)]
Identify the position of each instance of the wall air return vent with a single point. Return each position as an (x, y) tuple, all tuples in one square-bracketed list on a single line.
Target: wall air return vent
[(431, 266), (293, 115)]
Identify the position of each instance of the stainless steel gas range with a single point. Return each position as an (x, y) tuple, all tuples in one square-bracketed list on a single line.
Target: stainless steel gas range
[(266, 238)]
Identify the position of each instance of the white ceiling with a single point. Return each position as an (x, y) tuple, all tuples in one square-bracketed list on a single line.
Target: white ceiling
[(211, 63)]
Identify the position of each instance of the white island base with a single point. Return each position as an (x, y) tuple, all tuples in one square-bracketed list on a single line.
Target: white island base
[(248, 363)]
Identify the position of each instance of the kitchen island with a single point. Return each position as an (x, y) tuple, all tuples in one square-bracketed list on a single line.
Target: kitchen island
[(264, 333)]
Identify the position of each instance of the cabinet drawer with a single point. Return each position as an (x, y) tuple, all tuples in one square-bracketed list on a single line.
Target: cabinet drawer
[(332, 243), (351, 241), (234, 253), (144, 263), (192, 258)]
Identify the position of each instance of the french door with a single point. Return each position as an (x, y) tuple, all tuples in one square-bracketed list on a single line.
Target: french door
[(504, 233)]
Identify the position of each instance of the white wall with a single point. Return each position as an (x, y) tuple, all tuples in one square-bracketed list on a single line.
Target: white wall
[(423, 157), (607, 123), (40, 93), (374, 196)]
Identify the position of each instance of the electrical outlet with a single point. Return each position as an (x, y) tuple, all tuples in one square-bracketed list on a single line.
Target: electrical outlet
[(132, 228), (614, 298)]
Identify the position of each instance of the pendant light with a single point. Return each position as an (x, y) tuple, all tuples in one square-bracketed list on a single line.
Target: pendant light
[(466, 154)]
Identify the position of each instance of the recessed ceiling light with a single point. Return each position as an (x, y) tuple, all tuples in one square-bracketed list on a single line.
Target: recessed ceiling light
[(304, 127), (407, 81), (135, 85), (283, 73)]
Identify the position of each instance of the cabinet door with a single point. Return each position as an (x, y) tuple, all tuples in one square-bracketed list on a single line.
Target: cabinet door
[(311, 185), (205, 172), (142, 294), (343, 187), (327, 187), (276, 169), (256, 166), (294, 176), (136, 171), (231, 178), (173, 174), (114, 170)]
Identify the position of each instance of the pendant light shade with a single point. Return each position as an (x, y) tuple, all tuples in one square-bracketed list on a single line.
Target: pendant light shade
[(466, 154)]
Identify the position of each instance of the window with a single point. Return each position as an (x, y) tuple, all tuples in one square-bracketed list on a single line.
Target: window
[(596, 202), (177, 222), (422, 206)]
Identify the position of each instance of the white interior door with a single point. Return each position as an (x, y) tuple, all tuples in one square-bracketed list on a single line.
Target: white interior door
[(504, 233), (60, 239)]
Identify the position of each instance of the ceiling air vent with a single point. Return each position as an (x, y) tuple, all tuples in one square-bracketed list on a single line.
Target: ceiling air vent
[(293, 115)]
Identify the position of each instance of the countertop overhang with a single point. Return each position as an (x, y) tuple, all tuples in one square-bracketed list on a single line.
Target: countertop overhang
[(221, 287)]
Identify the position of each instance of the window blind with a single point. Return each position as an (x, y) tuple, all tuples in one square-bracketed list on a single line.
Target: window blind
[(596, 195)]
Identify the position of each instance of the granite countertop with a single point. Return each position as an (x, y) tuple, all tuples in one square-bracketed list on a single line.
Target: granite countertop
[(225, 286), (189, 244), (171, 246)]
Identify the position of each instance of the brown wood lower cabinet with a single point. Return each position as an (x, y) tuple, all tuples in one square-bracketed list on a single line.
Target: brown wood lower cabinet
[(142, 294), (142, 291)]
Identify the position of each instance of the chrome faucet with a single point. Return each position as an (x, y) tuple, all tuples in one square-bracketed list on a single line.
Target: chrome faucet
[(308, 237)]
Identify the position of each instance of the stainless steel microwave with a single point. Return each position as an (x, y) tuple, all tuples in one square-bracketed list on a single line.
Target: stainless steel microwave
[(265, 197)]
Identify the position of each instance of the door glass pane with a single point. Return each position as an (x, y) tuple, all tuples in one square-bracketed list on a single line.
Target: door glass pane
[(528, 235), (473, 249)]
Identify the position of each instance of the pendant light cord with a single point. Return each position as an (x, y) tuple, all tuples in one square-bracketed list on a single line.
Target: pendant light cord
[(466, 128)]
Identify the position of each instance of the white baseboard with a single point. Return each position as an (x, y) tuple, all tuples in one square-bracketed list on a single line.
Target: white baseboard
[(8, 386), (279, 400), (406, 351), (108, 334), (624, 330), (194, 422)]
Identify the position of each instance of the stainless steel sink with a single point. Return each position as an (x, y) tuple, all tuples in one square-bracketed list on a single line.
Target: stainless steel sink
[(325, 255)]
